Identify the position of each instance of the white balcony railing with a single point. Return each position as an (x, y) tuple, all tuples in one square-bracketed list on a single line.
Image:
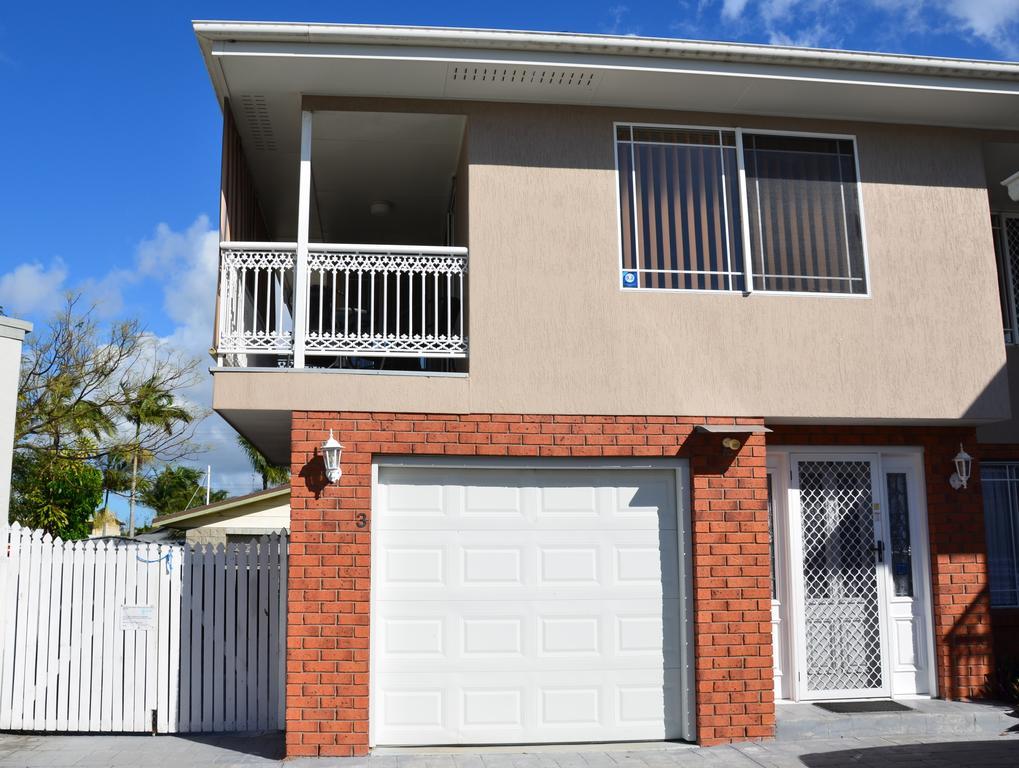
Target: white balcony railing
[(358, 301)]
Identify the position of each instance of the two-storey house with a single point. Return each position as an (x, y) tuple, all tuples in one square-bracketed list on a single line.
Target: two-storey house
[(656, 365)]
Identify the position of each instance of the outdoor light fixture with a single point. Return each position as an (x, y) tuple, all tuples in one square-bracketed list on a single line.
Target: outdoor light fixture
[(331, 451), (732, 444), (1012, 185), (963, 466)]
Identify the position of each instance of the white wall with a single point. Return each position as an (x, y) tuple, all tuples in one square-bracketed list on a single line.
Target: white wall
[(268, 515), (12, 333)]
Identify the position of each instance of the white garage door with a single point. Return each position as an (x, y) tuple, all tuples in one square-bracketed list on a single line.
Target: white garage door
[(527, 606)]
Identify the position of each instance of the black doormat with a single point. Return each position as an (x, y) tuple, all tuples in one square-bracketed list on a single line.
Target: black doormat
[(862, 707)]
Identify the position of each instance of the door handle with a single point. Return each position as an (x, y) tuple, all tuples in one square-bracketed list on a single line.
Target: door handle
[(879, 547)]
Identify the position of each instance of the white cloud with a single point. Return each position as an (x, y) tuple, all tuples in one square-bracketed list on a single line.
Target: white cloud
[(618, 25), (774, 10), (810, 22), (993, 21), (31, 288), (816, 36), (733, 9), (984, 17), (185, 264)]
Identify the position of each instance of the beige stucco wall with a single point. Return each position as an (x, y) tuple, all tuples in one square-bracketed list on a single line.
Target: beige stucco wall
[(551, 331)]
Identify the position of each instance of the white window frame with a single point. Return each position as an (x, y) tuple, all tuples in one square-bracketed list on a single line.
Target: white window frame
[(744, 205)]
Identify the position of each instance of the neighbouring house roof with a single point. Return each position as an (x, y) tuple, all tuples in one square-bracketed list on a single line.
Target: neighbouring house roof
[(268, 67), (235, 504), (163, 534)]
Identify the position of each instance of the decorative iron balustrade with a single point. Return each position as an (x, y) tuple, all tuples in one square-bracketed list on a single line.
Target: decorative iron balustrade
[(256, 300), (358, 301), (386, 301)]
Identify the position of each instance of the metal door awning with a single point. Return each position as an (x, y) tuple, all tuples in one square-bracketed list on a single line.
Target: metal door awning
[(733, 429)]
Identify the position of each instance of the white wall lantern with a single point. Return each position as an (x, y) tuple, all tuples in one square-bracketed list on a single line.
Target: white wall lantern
[(1012, 184), (963, 466), (331, 452)]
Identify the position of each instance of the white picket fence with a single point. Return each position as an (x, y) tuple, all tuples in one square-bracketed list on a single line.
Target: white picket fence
[(115, 636)]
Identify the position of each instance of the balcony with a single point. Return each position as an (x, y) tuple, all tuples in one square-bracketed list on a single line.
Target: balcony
[(342, 306)]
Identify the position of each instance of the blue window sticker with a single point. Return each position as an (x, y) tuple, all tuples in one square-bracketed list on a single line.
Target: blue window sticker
[(629, 279)]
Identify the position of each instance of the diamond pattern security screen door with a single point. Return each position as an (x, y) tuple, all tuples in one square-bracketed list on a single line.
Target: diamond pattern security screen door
[(841, 586)]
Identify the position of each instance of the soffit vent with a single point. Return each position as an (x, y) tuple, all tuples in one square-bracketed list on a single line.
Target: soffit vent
[(256, 116), (517, 82), (533, 76)]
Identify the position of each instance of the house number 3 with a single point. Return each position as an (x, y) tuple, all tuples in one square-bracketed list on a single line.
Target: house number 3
[(362, 519)]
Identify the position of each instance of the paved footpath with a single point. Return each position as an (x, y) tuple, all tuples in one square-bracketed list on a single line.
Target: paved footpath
[(52, 751)]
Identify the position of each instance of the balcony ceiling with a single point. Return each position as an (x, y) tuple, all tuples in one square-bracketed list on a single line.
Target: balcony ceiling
[(360, 158)]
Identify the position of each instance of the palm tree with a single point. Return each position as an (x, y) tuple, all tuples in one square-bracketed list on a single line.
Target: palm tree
[(149, 405), (175, 489), (272, 474), (116, 469)]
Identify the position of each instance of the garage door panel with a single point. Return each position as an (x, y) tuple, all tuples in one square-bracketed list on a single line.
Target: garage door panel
[(414, 499), (511, 708), (517, 606), (455, 565), (573, 635)]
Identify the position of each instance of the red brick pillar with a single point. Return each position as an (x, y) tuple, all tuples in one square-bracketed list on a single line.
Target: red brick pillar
[(732, 591), (328, 593)]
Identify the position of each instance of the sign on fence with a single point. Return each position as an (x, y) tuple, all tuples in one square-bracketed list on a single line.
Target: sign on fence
[(123, 636)]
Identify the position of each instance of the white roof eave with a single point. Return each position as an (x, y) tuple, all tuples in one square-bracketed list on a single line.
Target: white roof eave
[(853, 85), (604, 44)]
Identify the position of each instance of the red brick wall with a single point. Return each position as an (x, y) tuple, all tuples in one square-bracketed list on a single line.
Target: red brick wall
[(328, 609), (962, 616)]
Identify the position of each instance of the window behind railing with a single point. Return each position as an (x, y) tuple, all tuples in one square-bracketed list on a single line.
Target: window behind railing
[(700, 208), (1005, 228), (1000, 483)]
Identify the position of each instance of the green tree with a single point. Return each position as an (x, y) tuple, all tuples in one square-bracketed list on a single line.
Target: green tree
[(116, 471), (271, 474), (102, 396), (153, 407), (56, 493), (175, 489)]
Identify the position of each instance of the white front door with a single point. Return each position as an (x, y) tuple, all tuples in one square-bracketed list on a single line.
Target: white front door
[(854, 603), (519, 605)]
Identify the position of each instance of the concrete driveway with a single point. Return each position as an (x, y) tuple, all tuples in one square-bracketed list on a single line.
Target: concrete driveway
[(51, 751)]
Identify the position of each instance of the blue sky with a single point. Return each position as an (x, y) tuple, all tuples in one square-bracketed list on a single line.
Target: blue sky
[(110, 130)]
